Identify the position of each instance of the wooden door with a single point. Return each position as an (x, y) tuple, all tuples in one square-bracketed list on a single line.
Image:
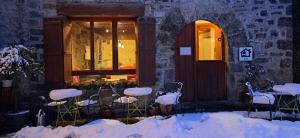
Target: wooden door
[(204, 80), (184, 62), (57, 51)]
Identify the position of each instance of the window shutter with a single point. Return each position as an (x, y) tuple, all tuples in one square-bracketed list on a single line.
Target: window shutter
[(146, 51), (57, 57)]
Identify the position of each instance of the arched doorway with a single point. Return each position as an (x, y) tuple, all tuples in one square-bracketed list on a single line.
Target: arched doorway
[(201, 54)]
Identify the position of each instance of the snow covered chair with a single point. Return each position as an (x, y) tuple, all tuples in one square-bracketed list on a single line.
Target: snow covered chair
[(170, 94), (92, 100), (259, 98), (121, 98)]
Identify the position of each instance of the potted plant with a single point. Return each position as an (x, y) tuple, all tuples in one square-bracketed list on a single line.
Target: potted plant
[(16, 62), (106, 111), (165, 109)]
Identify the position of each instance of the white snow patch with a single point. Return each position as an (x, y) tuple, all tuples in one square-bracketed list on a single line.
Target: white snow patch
[(169, 98), (141, 91), (205, 125), (60, 94)]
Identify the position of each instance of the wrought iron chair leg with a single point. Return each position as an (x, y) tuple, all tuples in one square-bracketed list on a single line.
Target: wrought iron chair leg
[(271, 112)]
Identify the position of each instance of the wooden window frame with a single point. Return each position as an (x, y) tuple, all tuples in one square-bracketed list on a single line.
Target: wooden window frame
[(115, 70)]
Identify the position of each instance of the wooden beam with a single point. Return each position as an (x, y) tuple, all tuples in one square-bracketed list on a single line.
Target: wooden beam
[(103, 72), (100, 9)]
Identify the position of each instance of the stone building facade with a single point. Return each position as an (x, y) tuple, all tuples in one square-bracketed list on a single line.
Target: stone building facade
[(265, 25)]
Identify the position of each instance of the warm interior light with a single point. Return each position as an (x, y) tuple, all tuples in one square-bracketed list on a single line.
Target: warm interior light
[(208, 41), (120, 45), (106, 30)]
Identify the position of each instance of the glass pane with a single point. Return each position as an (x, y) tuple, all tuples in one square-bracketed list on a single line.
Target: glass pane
[(81, 52), (209, 41), (126, 45), (103, 45)]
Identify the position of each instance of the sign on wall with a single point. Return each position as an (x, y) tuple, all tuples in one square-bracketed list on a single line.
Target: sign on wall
[(185, 51), (245, 54)]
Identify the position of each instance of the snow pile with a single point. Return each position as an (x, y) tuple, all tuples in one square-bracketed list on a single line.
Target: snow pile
[(263, 98), (279, 88), (206, 125), (138, 91), (125, 99), (291, 88), (169, 98), (60, 94)]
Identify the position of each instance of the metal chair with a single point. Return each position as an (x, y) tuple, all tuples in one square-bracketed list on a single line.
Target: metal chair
[(259, 98), (91, 101), (65, 100), (171, 88)]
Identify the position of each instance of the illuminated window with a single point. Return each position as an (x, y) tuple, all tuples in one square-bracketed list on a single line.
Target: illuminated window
[(126, 45), (81, 54), (208, 41), (105, 47)]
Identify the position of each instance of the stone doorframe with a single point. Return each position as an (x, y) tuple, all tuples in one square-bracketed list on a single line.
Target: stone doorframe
[(175, 20)]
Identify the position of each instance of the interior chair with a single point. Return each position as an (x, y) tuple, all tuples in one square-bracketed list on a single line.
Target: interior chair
[(259, 98), (170, 89)]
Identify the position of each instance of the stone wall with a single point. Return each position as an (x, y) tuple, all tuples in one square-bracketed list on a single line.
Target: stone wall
[(266, 25), (296, 40)]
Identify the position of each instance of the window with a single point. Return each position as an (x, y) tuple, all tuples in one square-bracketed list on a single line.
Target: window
[(105, 48), (208, 41)]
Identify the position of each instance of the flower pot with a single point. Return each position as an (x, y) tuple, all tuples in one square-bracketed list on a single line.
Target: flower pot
[(106, 112), (7, 83), (165, 109), (152, 110), (16, 120)]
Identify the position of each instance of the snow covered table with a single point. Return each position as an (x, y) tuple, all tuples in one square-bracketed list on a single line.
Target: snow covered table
[(140, 106), (287, 97), (68, 99)]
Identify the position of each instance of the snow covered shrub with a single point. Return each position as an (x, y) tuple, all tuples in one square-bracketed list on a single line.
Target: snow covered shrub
[(17, 61)]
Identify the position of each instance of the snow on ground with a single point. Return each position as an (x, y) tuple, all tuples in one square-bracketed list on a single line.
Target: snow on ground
[(204, 125)]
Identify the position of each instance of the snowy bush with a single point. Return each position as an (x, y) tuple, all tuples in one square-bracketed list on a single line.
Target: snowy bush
[(17, 61)]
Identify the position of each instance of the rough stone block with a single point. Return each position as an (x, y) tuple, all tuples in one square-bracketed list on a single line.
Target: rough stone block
[(274, 33), (285, 22), (33, 38), (289, 54), (276, 54), (273, 1), (259, 1), (236, 67), (271, 22), (35, 14), (36, 31), (269, 44), (285, 1), (288, 10), (49, 6), (260, 35), (261, 60), (284, 44), (264, 13), (285, 63)]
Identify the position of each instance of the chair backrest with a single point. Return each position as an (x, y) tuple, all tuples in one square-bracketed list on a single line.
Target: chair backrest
[(173, 87), (114, 91), (106, 97), (250, 89)]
